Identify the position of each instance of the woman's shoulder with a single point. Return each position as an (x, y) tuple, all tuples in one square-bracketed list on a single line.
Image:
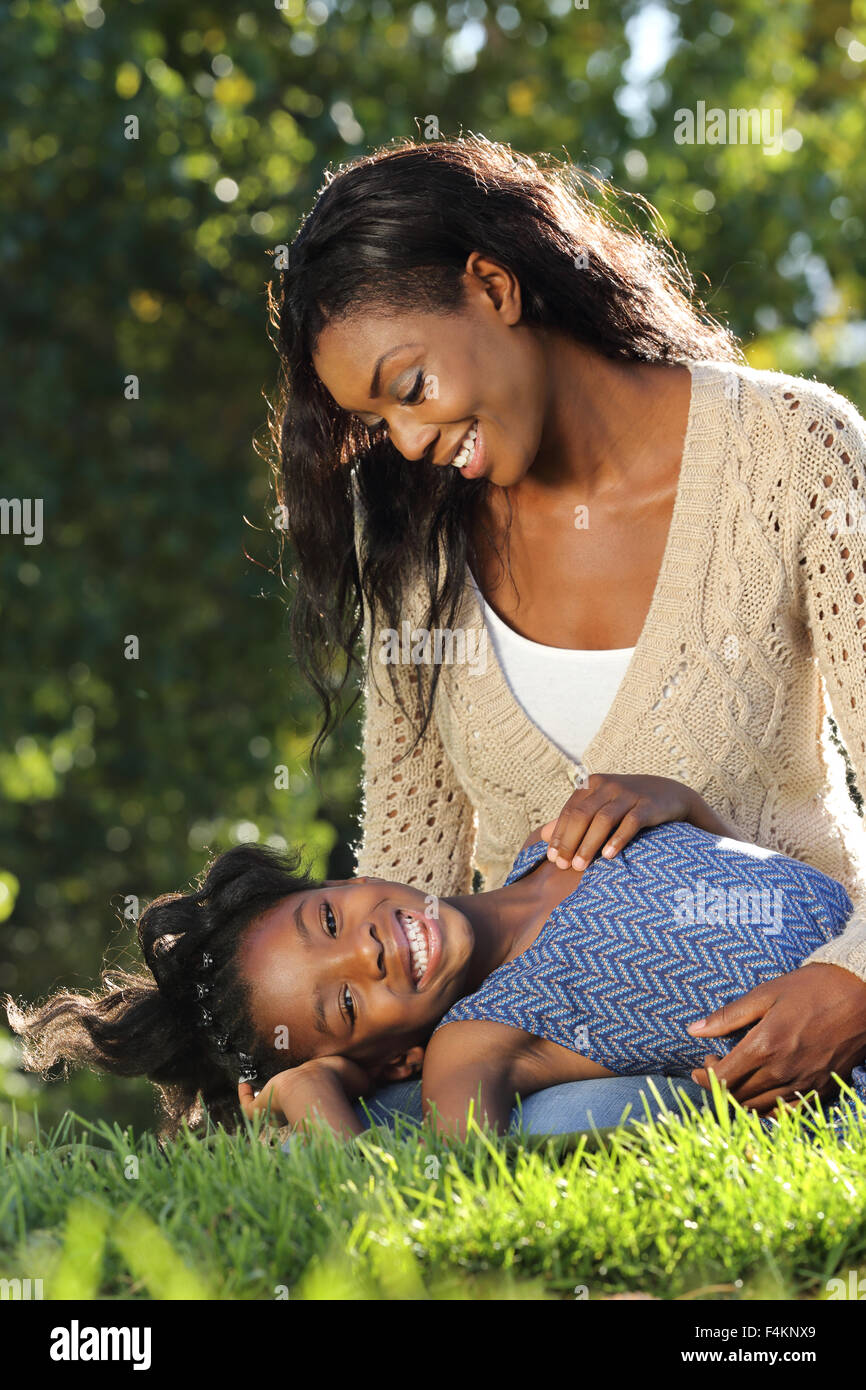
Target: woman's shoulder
[(805, 410)]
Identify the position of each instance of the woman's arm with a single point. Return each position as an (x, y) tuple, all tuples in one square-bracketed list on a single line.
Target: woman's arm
[(807, 1025), (611, 809), (704, 817), (827, 516)]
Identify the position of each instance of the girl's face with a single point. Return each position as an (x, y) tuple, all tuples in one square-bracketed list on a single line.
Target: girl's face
[(343, 970), (432, 377)]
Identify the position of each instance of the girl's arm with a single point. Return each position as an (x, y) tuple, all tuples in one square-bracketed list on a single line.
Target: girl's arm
[(316, 1093), (471, 1064)]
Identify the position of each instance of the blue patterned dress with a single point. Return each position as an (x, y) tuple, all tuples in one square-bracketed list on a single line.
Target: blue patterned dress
[(675, 925)]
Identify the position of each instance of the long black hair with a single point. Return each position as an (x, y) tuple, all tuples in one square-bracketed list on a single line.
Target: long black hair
[(393, 230), (187, 1025)]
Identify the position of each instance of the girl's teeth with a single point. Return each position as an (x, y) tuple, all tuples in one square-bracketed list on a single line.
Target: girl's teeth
[(417, 946)]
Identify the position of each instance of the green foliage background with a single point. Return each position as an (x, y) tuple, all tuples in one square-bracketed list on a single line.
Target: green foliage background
[(151, 255)]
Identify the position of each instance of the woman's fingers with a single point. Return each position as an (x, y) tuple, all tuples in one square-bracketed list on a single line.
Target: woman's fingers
[(581, 830), (739, 1013), (605, 829)]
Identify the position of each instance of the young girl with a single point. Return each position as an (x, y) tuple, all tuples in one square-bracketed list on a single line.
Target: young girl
[(315, 993)]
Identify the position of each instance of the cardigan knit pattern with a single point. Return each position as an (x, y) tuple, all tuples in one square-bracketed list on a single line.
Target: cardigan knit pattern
[(756, 631)]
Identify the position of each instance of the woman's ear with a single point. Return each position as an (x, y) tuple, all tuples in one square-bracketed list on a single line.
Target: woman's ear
[(404, 1067)]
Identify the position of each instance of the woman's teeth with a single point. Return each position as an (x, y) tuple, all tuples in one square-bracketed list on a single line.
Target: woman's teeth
[(417, 938), (467, 448)]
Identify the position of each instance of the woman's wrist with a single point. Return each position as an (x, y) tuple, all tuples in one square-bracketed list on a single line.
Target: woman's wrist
[(702, 815)]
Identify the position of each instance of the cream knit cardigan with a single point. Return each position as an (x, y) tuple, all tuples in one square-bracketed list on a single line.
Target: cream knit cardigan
[(758, 614)]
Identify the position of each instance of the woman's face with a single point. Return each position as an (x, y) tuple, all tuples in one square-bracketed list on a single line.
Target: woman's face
[(432, 377), (347, 974)]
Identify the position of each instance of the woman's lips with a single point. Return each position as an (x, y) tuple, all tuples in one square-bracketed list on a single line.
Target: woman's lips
[(475, 466)]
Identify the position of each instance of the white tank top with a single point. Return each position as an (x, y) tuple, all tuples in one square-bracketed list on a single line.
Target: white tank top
[(566, 692)]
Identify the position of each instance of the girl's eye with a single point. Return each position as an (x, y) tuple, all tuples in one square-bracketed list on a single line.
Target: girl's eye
[(328, 918), (348, 1002)]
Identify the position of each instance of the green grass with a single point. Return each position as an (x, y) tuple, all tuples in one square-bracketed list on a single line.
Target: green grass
[(704, 1206)]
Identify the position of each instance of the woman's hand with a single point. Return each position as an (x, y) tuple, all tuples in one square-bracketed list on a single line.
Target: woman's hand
[(611, 810), (328, 1085), (807, 1025)]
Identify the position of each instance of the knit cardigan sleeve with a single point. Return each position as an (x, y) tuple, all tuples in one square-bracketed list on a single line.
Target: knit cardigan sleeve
[(417, 824), (827, 501)]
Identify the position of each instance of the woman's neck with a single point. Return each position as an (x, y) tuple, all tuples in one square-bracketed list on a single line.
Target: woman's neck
[(607, 420)]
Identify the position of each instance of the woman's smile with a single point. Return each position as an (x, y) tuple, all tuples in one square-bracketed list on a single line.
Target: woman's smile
[(470, 456)]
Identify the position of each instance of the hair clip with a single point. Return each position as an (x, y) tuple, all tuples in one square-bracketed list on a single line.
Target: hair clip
[(202, 990), (248, 1071), (206, 960), (206, 1018)]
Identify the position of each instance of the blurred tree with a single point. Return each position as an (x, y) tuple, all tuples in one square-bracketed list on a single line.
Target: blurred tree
[(155, 155)]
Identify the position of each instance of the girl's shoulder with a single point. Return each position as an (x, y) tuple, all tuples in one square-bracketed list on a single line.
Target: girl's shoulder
[(472, 1044)]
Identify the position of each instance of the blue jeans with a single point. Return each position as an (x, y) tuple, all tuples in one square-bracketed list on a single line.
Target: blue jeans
[(565, 1109)]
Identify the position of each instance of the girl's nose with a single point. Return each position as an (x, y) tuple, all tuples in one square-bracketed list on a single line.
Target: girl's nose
[(362, 952)]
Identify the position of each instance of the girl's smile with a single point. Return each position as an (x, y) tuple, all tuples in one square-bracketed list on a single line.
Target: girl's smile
[(360, 969)]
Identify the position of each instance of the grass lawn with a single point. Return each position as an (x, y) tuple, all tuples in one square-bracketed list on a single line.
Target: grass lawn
[(702, 1207)]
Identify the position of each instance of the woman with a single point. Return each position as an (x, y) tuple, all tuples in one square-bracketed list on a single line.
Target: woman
[(662, 545)]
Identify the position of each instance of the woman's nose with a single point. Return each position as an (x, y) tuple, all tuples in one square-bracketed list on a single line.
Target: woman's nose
[(415, 442)]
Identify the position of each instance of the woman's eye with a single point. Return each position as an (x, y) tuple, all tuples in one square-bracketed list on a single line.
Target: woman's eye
[(348, 1002), (414, 394), (328, 917)]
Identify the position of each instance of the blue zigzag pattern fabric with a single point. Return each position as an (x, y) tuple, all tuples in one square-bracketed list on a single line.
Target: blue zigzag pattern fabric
[(678, 923)]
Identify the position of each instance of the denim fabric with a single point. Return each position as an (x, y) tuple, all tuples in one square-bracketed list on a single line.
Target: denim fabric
[(566, 1109)]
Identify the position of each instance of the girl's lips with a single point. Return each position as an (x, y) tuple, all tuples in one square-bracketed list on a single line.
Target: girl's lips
[(434, 945), (434, 948), (401, 941)]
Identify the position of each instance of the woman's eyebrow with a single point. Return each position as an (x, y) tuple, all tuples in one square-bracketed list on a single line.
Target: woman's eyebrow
[(375, 383)]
